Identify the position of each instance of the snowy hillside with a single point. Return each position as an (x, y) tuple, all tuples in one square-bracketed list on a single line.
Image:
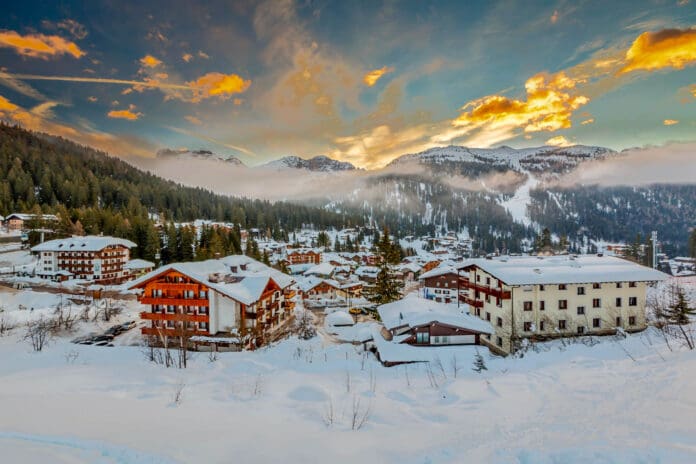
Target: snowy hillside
[(318, 163), (186, 154)]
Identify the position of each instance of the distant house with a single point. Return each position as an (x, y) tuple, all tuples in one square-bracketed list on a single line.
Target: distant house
[(138, 267), (303, 256), (417, 321), (440, 284), (316, 287), (18, 221), (320, 270), (100, 259)]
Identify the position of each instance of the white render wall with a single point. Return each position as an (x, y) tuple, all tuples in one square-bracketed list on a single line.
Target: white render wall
[(514, 316), (223, 313)]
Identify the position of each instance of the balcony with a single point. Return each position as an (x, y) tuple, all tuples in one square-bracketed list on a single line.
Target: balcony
[(290, 294), (474, 303), (167, 301), (162, 332), (174, 317), (493, 291)]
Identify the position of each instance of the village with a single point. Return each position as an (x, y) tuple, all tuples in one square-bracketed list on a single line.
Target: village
[(404, 310)]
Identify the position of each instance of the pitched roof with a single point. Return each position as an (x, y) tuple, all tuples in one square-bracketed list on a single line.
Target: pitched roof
[(564, 269), (87, 243), (438, 271), (413, 311)]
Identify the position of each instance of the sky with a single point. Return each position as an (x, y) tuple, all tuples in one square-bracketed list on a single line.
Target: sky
[(359, 81)]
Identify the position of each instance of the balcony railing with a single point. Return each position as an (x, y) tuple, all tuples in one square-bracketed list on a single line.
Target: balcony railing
[(167, 301), (493, 291), (162, 332), (174, 317)]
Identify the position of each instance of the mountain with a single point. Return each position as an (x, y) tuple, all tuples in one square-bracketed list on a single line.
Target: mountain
[(318, 163), (186, 154), (475, 161)]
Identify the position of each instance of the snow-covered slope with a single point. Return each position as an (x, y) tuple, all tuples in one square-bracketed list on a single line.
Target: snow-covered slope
[(543, 158), (187, 154), (318, 163)]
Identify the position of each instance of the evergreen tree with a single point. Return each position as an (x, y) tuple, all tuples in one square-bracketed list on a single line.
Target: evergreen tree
[(479, 363), (680, 312)]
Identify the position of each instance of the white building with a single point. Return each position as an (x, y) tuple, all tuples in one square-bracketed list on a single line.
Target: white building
[(555, 296), (98, 258)]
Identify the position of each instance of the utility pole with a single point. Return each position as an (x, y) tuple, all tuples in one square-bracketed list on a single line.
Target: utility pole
[(654, 249)]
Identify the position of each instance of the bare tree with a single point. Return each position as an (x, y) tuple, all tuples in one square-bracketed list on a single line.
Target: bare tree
[(359, 415), (38, 333), (179, 393), (329, 413), (5, 326)]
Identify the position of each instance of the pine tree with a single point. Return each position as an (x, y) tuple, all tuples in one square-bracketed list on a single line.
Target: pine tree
[(680, 312), (386, 288), (479, 363)]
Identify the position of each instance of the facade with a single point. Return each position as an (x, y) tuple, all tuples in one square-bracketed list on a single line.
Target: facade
[(16, 221), (303, 256), (215, 300), (440, 284), (556, 296), (97, 258)]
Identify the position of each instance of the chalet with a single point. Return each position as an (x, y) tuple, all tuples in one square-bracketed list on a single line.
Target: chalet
[(417, 321), (321, 270), (18, 221), (535, 297), (316, 287), (440, 284), (214, 301), (303, 256), (100, 259), (367, 274), (138, 267)]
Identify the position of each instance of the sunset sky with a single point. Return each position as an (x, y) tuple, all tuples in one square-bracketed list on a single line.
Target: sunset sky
[(358, 81)]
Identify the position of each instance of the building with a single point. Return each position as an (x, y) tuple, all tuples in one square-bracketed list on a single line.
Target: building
[(534, 297), (138, 267), (17, 221), (440, 284), (303, 256), (100, 259), (215, 300), (421, 322)]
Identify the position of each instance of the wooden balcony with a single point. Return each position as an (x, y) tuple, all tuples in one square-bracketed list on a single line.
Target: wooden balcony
[(177, 287), (290, 294), (492, 291), (174, 317), (167, 301), (474, 303)]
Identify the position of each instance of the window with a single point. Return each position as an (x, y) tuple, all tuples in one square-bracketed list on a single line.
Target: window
[(170, 324), (581, 330), (632, 284), (527, 305), (562, 287), (618, 321), (561, 324), (423, 337), (202, 310), (596, 323), (488, 298), (562, 304), (581, 290), (527, 326), (596, 303), (631, 320), (203, 325), (488, 316), (488, 280), (618, 302), (478, 278), (581, 310), (499, 322), (619, 285), (202, 294), (541, 325), (542, 305), (170, 309), (499, 341), (499, 302), (541, 288), (632, 301)]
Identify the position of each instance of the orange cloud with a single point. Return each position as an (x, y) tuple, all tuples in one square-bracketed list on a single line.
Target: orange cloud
[(670, 122), (587, 121), (129, 114), (668, 48), (373, 76), (559, 141), (92, 99), (187, 57), (216, 84), (150, 61), (193, 120), (6, 106), (39, 45), (554, 17), (548, 107)]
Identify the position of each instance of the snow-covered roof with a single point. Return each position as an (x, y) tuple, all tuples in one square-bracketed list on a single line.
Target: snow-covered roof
[(438, 271), (411, 266), (413, 311), (370, 271), (27, 216), (246, 285), (87, 243), (135, 264), (564, 269), (339, 318), (393, 352), (320, 269)]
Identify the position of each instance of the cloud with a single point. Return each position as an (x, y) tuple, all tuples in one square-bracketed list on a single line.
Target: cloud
[(92, 99), (216, 84), (129, 114), (548, 107), (587, 121), (373, 76), (670, 122), (71, 26), (150, 61), (668, 48), (193, 120), (39, 45), (668, 164), (6, 107), (187, 57), (204, 55), (559, 141), (554, 17)]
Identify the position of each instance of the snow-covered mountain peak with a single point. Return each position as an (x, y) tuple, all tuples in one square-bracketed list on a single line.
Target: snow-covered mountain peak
[(188, 154), (319, 163)]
